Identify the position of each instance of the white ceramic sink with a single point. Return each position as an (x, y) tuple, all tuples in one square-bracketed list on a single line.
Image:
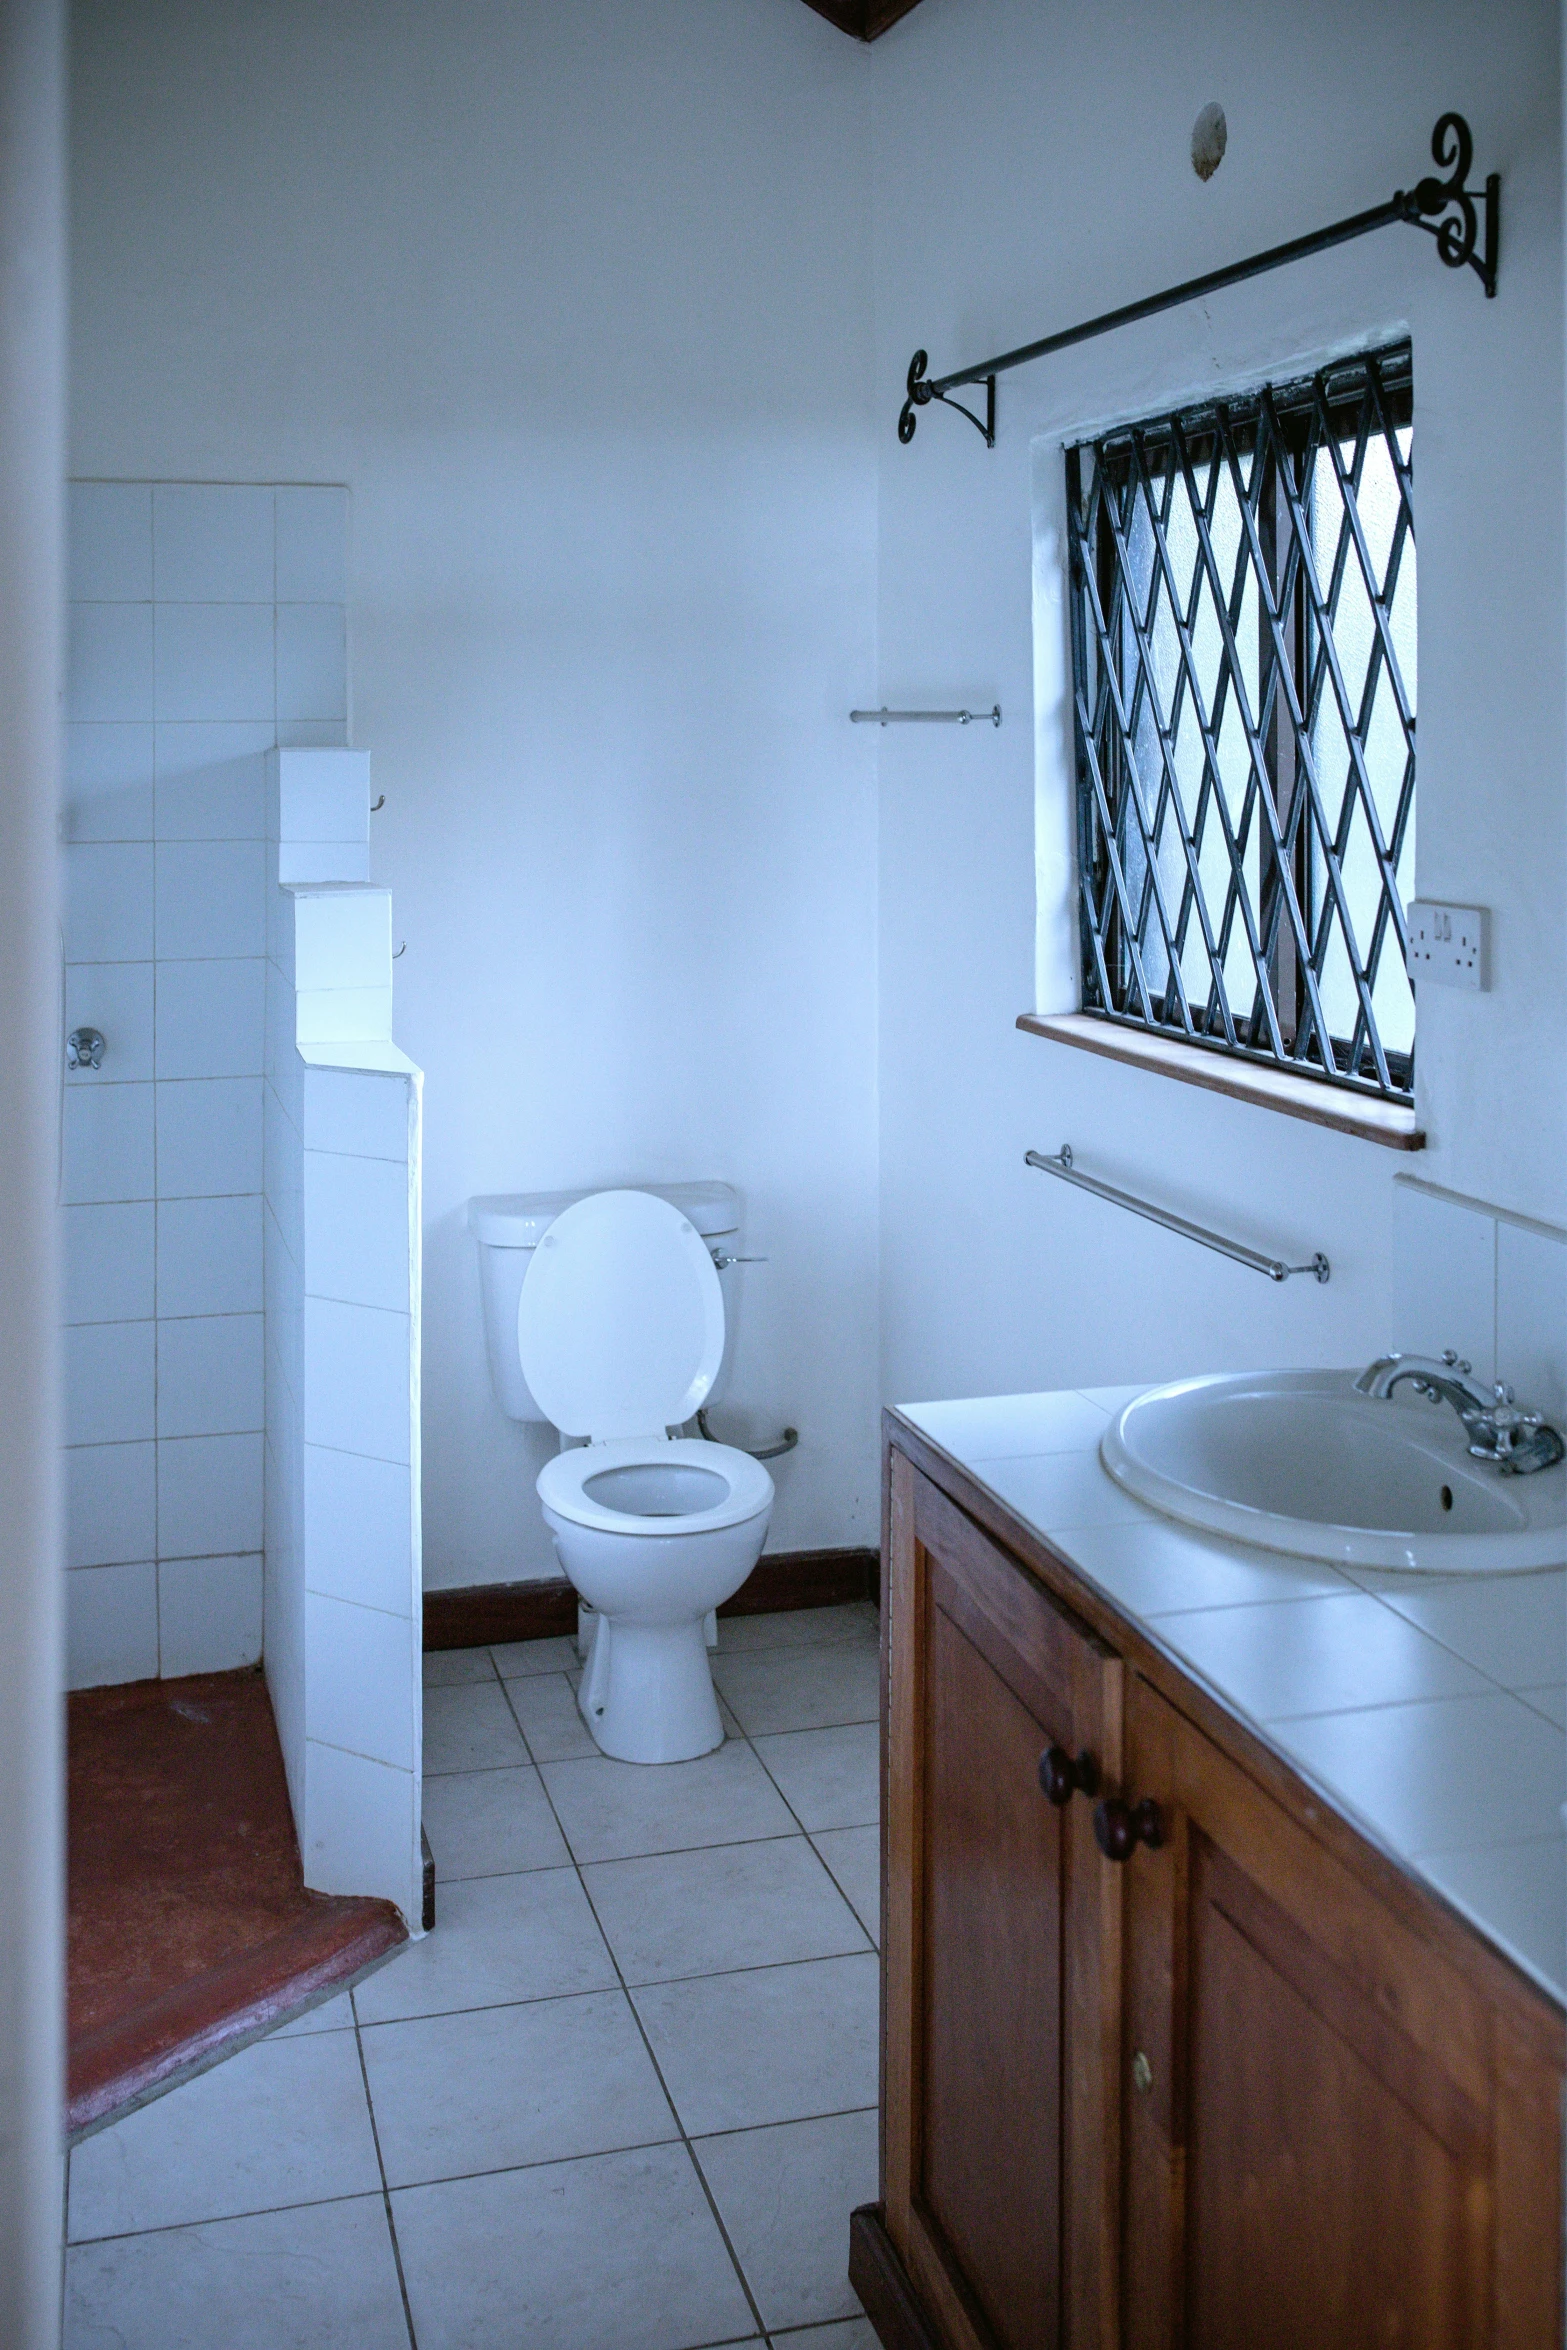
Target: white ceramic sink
[(1297, 1461)]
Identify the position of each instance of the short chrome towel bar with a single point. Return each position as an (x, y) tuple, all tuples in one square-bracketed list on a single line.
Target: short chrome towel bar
[(1061, 1164), (926, 717)]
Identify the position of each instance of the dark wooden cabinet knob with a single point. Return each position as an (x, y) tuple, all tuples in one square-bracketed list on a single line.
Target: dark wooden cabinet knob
[(1062, 1778), (1120, 1827)]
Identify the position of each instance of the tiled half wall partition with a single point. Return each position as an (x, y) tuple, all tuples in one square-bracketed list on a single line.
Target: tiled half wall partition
[(207, 624), (342, 1266)]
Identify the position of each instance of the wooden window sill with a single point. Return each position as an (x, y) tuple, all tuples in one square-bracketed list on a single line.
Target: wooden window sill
[(1271, 1089)]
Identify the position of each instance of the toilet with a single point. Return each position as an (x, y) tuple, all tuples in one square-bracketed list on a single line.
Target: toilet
[(617, 1335)]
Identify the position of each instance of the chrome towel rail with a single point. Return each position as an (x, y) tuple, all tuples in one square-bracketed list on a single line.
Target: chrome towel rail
[(1060, 1163), (926, 717)]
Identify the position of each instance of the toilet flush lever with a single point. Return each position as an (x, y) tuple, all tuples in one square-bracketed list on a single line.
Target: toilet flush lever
[(723, 1260)]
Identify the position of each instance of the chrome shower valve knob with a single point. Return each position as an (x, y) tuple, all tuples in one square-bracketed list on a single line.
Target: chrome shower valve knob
[(84, 1049)]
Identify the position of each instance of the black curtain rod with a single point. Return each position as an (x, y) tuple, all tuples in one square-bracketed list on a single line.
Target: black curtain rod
[(1458, 242)]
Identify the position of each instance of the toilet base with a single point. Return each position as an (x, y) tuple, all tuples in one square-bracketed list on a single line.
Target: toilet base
[(646, 1694)]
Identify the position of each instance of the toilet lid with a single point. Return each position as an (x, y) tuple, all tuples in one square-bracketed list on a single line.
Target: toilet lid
[(620, 1326)]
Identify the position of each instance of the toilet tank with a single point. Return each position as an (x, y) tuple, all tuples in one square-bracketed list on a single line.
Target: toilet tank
[(508, 1228)]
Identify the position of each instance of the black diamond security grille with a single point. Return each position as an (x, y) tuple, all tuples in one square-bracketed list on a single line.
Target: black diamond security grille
[(1243, 654)]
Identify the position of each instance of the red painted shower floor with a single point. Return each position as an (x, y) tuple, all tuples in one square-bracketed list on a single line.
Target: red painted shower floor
[(190, 1926)]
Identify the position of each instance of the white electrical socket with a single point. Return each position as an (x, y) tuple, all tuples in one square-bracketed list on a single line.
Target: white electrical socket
[(1450, 944)]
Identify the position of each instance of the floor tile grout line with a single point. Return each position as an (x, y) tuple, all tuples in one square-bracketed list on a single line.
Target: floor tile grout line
[(457, 2178), (766, 1966), (386, 2192), (222, 2219), (658, 2071), (811, 1835)]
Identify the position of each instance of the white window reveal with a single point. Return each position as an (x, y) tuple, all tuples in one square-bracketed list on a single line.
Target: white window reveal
[(1243, 642)]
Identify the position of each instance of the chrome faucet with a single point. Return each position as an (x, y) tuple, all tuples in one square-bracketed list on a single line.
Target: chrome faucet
[(1517, 1442)]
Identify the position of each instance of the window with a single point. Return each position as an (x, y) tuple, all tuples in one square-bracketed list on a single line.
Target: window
[(1243, 653)]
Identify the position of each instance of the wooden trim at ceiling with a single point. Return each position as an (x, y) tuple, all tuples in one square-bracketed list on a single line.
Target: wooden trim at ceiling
[(863, 19), (1244, 1081), (479, 1614)]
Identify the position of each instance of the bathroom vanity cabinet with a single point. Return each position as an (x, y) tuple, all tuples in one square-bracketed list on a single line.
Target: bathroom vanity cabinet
[(1172, 2055)]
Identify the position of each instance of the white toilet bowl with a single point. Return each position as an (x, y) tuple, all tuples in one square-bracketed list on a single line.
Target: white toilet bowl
[(620, 1332), (653, 1535)]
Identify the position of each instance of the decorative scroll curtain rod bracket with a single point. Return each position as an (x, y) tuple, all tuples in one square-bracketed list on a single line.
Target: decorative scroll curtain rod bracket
[(1465, 221), (1274, 1268)]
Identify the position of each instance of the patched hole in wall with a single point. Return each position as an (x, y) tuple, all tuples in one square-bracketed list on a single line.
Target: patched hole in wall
[(1210, 137)]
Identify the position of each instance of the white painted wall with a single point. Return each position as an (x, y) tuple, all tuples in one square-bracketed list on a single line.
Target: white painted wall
[(581, 308), (578, 302), (1031, 172), (32, 414)]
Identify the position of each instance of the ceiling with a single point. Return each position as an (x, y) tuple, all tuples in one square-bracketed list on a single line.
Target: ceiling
[(863, 18)]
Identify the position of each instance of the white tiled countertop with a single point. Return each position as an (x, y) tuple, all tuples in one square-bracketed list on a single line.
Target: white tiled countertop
[(1429, 1710)]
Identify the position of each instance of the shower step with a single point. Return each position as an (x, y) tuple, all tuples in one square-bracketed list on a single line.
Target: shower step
[(191, 1929)]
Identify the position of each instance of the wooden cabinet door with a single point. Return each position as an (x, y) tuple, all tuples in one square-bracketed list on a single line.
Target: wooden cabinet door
[(1333, 2135), (1000, 2110)]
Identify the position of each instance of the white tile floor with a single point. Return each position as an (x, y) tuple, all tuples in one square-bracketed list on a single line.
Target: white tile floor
[(623, 2097)]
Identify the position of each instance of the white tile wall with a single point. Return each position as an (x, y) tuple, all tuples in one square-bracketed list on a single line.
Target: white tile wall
[(109, 782), (214, 661), (173, 706), (348, 1110), (108, 902), (209, 626), (357, 1379), (359, 1686), (209, 1137), (356, 1230), (1531, 1315), (209, 1496), (110, 542), (209, 1614), (342, 1253), (211, 780), (109, 1382), (363, 1823), (343, 938), (312, 546), (111, 1504), (210, 1379), (117, 1000), (319, 815), (342, 1015), (1489, 1285), (358, 1529), (210, 1018), (209, 1256), (109, 664), (213, 544), (108, 1142), (111, 1624), (109, 1263), (210, 898), (312, 662)]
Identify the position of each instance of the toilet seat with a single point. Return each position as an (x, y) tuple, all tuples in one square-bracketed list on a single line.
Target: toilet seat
[(620, 1325), (746, 1488)]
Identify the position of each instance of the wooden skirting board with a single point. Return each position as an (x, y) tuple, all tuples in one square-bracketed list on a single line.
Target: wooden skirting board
[(882, 2283), (479, 1614)]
